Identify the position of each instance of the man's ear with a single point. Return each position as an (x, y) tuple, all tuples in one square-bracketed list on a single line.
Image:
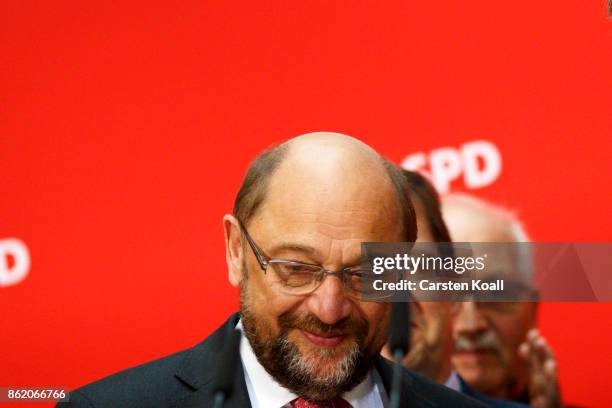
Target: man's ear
[(234, 253)]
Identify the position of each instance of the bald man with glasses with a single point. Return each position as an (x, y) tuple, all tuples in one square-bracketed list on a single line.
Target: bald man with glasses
[(293, 248)]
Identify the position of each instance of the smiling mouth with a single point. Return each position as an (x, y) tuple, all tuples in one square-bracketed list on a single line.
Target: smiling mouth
[(324, 341)]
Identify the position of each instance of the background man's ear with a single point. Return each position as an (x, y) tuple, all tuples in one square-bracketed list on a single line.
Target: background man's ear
[(234, 253)]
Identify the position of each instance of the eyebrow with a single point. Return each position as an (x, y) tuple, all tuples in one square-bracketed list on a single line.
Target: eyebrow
[(292, 246)]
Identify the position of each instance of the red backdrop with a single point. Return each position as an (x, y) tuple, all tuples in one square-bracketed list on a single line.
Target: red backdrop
[(125, 130)]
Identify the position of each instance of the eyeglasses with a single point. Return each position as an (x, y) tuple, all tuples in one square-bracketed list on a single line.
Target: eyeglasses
[(515, 294), (489, 307), (299, 278)]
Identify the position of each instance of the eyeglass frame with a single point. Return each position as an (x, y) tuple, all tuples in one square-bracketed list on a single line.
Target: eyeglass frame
[(503, 306), (319, 276)]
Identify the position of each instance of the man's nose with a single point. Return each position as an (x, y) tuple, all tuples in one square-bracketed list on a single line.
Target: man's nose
[(329, 302), (469, 319)]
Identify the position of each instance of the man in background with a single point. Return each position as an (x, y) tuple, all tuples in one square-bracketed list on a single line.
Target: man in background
[(431, 329), (498, 351)]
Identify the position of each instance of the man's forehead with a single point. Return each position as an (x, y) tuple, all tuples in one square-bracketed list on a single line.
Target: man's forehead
[(322, 221), (337, 189), (328, 168), (470, 222), (327, 189), (333, 222), (483, 229)]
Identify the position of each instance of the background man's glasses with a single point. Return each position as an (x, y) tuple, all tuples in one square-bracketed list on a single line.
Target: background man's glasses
[(515, 295)]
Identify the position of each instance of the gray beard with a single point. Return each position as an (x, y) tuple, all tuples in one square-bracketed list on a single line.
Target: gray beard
[(285, 363)]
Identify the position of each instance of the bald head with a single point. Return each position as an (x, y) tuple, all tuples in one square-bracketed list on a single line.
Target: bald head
[(473, 220), (326, 170), (325, 149), (470, 219), (330, 160)]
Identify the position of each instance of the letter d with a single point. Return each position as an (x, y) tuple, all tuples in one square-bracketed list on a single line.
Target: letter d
[(19, 270), (476, 176)]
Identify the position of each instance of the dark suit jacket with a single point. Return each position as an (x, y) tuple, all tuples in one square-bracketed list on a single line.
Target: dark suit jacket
[(186, 380), (485, 399)]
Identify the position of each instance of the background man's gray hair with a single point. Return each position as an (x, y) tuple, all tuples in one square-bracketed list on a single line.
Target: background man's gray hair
[(503, 215)]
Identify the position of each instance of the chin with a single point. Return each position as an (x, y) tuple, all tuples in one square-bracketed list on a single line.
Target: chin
[(324, 362), (325, 356)]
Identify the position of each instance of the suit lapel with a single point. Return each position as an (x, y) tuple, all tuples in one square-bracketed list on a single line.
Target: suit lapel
[(203, 398), (410, 396), (385, 370), (198, 370)]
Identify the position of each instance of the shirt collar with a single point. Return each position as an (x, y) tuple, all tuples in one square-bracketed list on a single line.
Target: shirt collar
[(263, 389), (453, 382)]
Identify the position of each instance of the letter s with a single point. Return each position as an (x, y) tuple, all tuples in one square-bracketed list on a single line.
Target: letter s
[(445, 166)]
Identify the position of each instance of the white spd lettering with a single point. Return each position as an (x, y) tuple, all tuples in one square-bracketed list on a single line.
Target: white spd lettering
[(479, 161)]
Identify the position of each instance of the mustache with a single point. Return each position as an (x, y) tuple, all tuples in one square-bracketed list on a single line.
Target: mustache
[(485, 341), (312, 324)]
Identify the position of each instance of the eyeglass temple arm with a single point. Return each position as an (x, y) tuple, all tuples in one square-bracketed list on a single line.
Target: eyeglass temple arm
[(262, 261)]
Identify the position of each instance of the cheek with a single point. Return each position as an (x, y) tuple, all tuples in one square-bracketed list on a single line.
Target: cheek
[(266, 303), (511, 332)]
